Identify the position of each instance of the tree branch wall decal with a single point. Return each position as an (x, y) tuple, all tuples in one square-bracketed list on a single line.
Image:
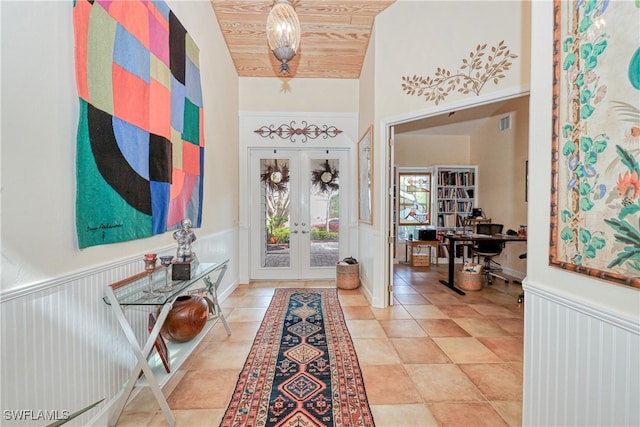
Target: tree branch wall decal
[(475, 72)]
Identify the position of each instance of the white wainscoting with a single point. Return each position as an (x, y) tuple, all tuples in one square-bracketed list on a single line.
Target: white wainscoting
[(581, 364), (62, 348)]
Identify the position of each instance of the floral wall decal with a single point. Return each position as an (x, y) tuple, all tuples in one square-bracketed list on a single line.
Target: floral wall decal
[(595, 204), (474, 73)]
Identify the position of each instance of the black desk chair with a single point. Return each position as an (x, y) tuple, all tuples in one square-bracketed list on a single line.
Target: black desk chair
[(488, 250), (469, 225)]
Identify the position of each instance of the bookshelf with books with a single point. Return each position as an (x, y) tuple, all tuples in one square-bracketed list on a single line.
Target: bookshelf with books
[(454, 198)]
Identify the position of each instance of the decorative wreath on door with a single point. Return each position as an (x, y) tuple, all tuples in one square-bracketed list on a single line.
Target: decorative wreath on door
[(325, 179), (275, 177)]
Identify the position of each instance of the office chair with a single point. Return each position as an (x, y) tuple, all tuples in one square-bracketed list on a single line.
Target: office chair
[(488, 250), (469, 225)]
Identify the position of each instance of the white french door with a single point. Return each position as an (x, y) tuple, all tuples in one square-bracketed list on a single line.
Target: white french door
[(298, 197)]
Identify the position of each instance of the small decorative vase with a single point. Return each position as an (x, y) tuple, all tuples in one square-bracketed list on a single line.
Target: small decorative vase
[(186, 318)]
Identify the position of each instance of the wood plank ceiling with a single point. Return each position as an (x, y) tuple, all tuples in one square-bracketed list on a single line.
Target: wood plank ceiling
[(334, 40)]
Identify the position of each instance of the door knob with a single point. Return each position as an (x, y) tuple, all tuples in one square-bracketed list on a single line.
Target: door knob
[(304, 231), (295, 231)]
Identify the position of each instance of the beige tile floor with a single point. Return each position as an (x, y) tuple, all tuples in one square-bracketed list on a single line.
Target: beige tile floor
[(435, 358)]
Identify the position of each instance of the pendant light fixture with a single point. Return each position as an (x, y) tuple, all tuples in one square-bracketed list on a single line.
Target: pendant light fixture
[(283, 32)]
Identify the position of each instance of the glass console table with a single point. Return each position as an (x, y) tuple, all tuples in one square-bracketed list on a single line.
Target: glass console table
[(131, 292)]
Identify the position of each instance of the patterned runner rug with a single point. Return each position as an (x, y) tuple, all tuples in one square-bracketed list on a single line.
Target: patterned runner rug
[(302, 369)]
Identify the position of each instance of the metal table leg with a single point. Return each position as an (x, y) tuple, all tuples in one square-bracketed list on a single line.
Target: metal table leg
[(142, 365), (212, 288)]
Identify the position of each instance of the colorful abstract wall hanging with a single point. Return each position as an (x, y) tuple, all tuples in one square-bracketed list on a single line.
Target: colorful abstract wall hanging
[(140, 144), (595, 206)]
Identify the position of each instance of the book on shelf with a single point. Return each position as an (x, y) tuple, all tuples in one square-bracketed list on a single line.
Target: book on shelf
[(449, 220), (456, 178), (464, 193)]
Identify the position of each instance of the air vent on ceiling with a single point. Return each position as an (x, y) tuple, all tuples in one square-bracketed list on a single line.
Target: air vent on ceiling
[(505, 123)]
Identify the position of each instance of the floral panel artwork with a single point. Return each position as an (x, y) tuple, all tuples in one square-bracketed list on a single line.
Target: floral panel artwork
[(595, 206)]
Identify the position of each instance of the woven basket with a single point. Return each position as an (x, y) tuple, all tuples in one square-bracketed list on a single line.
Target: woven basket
[(347, 276), (470, 281)]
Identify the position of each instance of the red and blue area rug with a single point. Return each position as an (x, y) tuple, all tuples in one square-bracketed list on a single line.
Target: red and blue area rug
[(302, 369)]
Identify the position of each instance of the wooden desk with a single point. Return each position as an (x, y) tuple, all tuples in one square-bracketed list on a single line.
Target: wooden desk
[(430, 243), (453, 238)]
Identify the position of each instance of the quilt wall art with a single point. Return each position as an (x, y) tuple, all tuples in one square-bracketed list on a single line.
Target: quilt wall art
[(595, 204), (140, 144)]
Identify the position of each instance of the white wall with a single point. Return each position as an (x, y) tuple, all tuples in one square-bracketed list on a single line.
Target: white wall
[(591, 343), (61, 346), (417, 38), (39, 121), (579, 331), (501, 159), (430, 150), (619, 299), (298, 95), (276, 101), (367, 236)]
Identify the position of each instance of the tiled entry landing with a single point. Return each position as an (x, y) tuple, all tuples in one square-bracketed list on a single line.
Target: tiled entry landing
[(435, 358)]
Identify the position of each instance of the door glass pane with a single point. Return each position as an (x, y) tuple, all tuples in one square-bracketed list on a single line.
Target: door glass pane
[(275, 191), (324, 208)]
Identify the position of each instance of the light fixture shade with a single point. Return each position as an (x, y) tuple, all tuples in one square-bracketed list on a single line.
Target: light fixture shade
[(283, 32)]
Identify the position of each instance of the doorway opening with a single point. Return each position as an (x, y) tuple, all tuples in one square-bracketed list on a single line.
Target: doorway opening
[(469, 124)]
